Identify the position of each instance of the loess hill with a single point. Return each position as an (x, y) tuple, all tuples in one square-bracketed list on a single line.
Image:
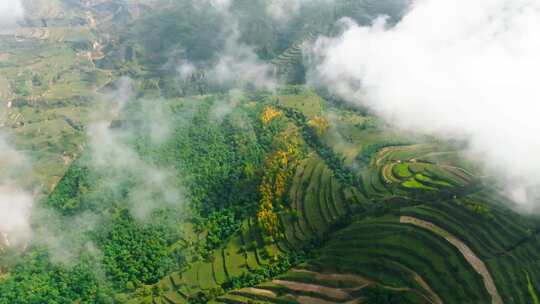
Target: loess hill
[(203, 194)]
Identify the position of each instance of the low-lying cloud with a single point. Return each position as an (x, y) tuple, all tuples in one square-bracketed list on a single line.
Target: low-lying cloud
[(284, 10), (237, 65), (123, 178), (10, 12), (279, 10), (16, 198), (452, 68), (153, 188), (15, 206)]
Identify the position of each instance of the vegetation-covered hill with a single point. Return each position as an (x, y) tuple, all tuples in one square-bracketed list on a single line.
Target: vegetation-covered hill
[(165, 190)]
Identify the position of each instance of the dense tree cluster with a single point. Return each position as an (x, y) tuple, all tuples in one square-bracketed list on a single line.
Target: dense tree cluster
[(232, 166), (135, 254), (67, 197), (35, 280), (219, 225), (218, 159)]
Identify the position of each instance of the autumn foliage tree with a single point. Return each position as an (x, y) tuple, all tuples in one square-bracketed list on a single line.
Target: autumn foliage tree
[(279, 168), (320, 124), (269, 114)]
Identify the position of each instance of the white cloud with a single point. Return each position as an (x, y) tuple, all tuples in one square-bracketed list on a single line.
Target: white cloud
[(15, 207), (283, 10), (467, 68), (238, 64), (111, 153), (15, 200), (220, 4), (185, 70), (10, 12)]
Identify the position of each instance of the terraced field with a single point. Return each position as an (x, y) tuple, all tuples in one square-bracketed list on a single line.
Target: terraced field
[(369, 215), (408, 222), (47, 85), (289, 65), (459, 246), (404, 169), (425, 255), (318, 201)]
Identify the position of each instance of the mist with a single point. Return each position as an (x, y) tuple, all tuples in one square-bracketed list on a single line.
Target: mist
[(17, 193), (279, 10), (128, 180), (10, 12), (465, 69), (15, 206), (239, 66), (111, 152), (236, 64), (284, 10), (16, 189)]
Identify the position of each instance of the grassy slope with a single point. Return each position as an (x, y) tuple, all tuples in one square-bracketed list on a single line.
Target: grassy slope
[(49, 83), (379, 253), (417, 262)]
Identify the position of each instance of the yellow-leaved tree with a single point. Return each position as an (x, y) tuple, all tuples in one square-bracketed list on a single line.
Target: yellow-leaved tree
[(320, 124), (269, 114), (279, 168)]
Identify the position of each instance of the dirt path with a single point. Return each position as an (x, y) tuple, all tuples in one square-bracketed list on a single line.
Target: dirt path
[(257, 291), (388, 174), (387, 150), (382, 154), (469, 255), (311, 300), (434, 297), (336, 277), (335, 293), (363, 282)]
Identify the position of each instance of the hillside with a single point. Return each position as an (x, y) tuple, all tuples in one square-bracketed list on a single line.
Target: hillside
[(153, 186)]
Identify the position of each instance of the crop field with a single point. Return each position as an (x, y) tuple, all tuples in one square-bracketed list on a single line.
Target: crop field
[(48, 84), (318, 201), (457, 261), (461, 249)]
